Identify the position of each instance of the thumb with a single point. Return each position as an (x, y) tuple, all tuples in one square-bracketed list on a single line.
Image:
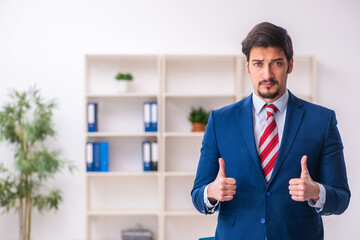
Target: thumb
[(304, 169), (221, 168)]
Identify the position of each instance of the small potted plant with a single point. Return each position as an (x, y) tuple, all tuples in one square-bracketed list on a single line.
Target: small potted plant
[(199, 118), (123, 81)]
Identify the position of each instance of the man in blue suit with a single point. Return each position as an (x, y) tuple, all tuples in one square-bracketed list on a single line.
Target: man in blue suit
[(272, 164)]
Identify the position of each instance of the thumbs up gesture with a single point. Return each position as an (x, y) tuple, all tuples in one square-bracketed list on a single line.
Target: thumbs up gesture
[(304, 188), (222, 188)]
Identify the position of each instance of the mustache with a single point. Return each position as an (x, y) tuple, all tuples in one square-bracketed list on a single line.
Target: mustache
[(271, 80)]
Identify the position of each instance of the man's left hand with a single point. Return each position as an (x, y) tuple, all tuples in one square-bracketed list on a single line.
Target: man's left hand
[(304, 188)]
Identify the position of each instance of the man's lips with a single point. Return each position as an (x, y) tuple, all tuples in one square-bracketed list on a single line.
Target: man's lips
[(268, 83)]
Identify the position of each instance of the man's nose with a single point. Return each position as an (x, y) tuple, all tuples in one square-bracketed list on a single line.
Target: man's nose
[(267, 73)]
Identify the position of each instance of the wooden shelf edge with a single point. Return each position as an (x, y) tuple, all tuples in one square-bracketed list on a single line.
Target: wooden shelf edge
[(184, 134), (186, 57), (124, 95), (175, 213), (122, 174), (123, 212), (180, 174), (195, 95), (113, 56), (122, 134)]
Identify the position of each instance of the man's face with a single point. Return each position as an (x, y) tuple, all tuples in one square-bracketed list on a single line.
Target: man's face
[(268, 69)]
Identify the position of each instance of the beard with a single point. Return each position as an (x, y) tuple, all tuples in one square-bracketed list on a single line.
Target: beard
[(269, 95)]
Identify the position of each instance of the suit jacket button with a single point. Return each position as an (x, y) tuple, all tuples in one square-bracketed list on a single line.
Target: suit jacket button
[(263, 220), (268, 194)]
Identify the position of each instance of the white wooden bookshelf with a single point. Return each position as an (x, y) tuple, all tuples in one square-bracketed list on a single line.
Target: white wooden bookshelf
[(121, 134), (160, 201)]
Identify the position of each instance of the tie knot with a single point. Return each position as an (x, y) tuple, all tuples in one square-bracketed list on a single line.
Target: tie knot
[(270, 109)]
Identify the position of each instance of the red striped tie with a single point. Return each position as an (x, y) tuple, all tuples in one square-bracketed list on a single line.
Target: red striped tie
[(269, 143)]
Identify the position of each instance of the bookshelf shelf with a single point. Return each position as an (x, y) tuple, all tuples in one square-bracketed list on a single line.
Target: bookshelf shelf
[(122, 174), (122, 134), (180, 174), (189, 213), (160, 201), (116, 212), (123, 95), (183, 134), (185, 95)]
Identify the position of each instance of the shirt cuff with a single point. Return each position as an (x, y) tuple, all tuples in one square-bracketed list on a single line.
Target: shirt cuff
[(209, 207), (319, 204)]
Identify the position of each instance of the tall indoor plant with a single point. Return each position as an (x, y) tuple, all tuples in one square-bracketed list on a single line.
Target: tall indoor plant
[(26, 123)]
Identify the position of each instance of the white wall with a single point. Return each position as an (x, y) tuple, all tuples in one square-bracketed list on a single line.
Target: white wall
[(44, 42)]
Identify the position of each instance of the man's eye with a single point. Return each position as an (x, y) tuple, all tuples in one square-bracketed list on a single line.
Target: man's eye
[(277, 63), (258, 64)]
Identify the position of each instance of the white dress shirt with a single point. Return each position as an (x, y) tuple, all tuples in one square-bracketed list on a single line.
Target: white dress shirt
[(259, 119)]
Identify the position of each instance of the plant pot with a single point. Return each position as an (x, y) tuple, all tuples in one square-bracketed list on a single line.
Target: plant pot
[(123, 86), (198, 127)]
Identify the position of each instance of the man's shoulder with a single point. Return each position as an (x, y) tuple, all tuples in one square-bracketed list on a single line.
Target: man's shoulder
[(315, 113), (309, 106)]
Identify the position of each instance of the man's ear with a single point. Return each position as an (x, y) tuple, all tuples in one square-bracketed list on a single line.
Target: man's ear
[(290, 66), (247, 67)]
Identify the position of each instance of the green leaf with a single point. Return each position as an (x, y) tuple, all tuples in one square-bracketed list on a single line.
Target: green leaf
[(199, 115), (47, 202), (8, 189)]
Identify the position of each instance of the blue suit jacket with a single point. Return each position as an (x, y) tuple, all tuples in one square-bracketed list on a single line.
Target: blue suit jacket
[(259, 209)]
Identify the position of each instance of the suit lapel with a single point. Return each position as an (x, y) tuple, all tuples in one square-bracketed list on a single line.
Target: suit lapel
[(245, 119), (293, 120)]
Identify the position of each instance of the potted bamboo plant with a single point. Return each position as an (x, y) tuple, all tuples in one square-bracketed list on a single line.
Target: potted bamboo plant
[(123, 81), (199, 118), (26, 124)]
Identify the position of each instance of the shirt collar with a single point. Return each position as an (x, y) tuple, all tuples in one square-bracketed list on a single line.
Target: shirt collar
[(281, 103)]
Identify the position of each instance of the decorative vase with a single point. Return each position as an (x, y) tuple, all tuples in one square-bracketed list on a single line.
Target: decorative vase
[(123, 86), (198, 127)]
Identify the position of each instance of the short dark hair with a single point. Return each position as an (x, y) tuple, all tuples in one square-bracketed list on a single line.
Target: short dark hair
[(266, 34)]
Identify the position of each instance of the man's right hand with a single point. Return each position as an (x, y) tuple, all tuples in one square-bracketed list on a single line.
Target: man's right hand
[(222, 188)]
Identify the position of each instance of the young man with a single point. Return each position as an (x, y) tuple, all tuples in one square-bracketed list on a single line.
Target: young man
[(272, 164)]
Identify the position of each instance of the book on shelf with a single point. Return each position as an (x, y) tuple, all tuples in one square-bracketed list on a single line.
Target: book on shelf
[(89, 156), (154, 156), (91, 116), (146, 155), (150, 116), (154, 117), (150, 155), (104, 156), (97, 156)]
